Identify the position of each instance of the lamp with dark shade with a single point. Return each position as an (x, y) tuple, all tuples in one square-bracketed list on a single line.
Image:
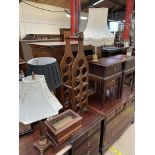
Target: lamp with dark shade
[(48, 67)]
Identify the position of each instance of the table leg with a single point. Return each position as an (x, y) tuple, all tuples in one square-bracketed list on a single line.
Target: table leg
[(120, 87), (122, 84), (103, 91)]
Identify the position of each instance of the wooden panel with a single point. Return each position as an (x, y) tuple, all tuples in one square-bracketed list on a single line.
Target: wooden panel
[(116, 125)]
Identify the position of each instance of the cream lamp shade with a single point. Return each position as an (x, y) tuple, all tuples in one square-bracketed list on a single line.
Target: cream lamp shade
[(35, 100), (97, 32)]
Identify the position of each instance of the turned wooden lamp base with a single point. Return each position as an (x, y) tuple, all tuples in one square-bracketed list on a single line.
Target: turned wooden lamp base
[(42, 145)]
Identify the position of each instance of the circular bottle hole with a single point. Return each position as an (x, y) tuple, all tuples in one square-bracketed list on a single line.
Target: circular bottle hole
[(84, 88), (68, 60), (84, 79), (76, 83), (65, 78), (84, 70), (65, 69), (77, 73), (81, 62)]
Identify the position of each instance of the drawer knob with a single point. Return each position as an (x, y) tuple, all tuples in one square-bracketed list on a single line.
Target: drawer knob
[(88, 144), (88, 152)]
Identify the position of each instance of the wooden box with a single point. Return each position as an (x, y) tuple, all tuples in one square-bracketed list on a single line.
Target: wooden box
[(63, 126)]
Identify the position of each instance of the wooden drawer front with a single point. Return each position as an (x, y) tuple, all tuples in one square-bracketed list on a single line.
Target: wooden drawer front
[(133, 100), (110, 115), (90, 150), (86, 135), (126, 104), (117, 123), (113, 69), (96, 152), (120, 108), (129, 64), (113, 134), (87, 144)]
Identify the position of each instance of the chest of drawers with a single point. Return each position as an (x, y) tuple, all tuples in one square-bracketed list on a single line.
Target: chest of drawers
[(86, 142), (116, 122), (118, 115)]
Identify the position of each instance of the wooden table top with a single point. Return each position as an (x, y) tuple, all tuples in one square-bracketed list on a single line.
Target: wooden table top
[(106, 61), (52, 43), (122, 57)]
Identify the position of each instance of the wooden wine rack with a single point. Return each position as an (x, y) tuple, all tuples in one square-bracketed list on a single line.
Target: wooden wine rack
[(74, 92)]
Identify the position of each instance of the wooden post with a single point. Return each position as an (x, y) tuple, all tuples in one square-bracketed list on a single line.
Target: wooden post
[(73, 17), (128, 18), (78, 10)]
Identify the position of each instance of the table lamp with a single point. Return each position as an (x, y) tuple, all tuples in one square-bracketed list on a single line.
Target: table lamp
[(48, 67), (36, 102)]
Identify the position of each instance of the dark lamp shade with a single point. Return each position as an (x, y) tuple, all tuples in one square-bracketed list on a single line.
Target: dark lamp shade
[(48, 67)]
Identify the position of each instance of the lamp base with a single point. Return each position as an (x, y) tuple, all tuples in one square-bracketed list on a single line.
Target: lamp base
[(42, 145), (95, 60)]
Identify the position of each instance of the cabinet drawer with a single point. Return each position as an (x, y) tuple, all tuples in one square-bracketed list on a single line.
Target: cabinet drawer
[(90, 150), (120, 108), (88, 143), (87, 135), (110, 115), (118, 119), (115, 132), (96, 152), (126, 104), (113, 69)]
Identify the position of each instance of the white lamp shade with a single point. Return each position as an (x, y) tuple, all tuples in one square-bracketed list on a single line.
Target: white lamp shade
[(97, 32), (36, 101)]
